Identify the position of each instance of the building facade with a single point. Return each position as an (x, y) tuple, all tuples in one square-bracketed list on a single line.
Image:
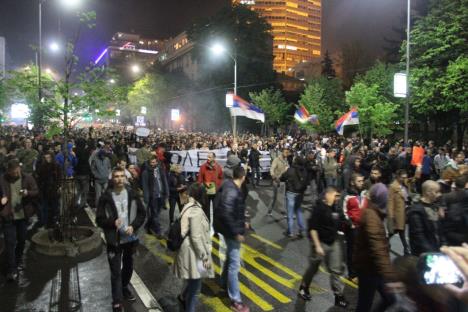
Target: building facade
[(176, 56), (296, 30)]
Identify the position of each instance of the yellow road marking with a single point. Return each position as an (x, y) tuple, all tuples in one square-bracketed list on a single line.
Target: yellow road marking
[(265, 306), (344, 280), (250, 255), (214, 302), (264, 286), (266, 241)]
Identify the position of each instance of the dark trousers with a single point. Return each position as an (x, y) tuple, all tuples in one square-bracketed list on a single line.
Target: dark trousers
[(154, 209), (82, 190), (172, 203), (49, 210), (190, 294), (368, 285), (255, 175), (207, 207), (15, 237), (350, 235), (121, 266)]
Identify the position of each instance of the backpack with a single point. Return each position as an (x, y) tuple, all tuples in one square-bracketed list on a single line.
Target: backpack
[(174, 238)]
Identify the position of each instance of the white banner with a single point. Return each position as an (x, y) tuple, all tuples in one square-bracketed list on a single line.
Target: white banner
[(191, 160)]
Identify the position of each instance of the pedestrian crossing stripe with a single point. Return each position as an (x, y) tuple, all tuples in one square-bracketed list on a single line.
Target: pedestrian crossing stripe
[(251, 255), (266, 241)]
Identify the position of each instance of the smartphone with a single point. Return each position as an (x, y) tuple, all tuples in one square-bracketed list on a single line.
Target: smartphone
[(437, 268)]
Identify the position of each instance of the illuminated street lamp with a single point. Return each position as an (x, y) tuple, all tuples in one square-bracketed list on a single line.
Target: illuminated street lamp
[(135, 68), (219, 49), (54, 47), (112, 81)]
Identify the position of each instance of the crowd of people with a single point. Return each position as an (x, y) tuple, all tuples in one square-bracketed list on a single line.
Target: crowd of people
[(364, 192)]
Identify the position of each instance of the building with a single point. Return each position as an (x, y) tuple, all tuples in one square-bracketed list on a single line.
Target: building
[(296, 30), (129, 53), (313, 69), (176, 56)]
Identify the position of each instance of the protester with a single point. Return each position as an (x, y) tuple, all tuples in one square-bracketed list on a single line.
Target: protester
[(254, 164), (120, 213), (325, 224), (19, 203), (330, 168), (49, 175), (176, 187), (455, 221), (296, 178), (278, 167), (28, 157), (193, 260), (424, 221), (211, 177), (230, 222), (398, 200), (82, 172), (101, 169), (155, 192)]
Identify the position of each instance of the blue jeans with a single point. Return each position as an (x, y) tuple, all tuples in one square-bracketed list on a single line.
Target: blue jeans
[(49, 211), (230, 274), (294, 201), (154, 209), (190, 294)]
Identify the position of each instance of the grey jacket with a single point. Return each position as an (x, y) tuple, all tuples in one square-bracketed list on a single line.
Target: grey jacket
[(101, 169)]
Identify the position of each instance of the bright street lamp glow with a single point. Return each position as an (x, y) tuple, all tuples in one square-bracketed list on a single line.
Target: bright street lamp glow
[(48, 71), (218, 49), (135, 69), (70, 3), (54, 47), (112, 81)]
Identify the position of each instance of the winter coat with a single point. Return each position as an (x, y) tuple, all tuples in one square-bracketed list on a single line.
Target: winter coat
[(150, 190), (455, 223), (28, 158), (396, 206), (48, 177), (254, 158), (106, 215), (101, 168), (29, 203), (296, 178), (423, 234), (229, 211), (330, 167), (371, 248), (208, 174), (196, 246), (353, 205), (278, 167), (175, 181)]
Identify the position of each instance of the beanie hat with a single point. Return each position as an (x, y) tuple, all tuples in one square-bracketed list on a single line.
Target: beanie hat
[(378, 195)]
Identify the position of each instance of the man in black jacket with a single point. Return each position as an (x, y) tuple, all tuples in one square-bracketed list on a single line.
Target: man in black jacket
[(120, 213), (254, 163), (455, 223), (230, 222), (424, 220)]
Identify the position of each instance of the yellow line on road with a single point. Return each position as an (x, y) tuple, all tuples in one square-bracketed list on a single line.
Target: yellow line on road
[(250, 256), (266, 241), (344, 280), (266, 287), (265, 306)]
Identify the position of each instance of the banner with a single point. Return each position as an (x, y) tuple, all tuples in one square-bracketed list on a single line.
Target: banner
[(191, 160)]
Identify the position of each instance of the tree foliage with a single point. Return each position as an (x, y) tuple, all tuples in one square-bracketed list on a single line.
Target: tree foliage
[(325, 98), (328, 69), (273, 104), (372, 94)]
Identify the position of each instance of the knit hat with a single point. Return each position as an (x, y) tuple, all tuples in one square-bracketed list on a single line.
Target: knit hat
[(232, 161), (378, 195)]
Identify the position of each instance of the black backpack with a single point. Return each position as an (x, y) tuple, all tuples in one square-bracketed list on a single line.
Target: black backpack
[(174, 238)]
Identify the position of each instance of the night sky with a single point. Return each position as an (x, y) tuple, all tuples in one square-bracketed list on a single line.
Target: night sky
[(343, 21)]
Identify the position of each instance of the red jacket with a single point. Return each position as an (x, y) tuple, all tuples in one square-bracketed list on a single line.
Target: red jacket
[(210, 174), (353, 205)]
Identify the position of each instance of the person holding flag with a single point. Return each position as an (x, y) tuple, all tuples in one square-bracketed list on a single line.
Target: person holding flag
[(348, 119)]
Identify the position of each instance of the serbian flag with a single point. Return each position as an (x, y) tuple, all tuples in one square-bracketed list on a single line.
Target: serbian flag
[(241, 107), (303, 116), (350, 118)]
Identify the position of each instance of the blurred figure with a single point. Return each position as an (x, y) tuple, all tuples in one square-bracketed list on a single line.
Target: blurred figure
[(49, 175), (279, 166), (455, 222), (254, 164), (211, 177), (176, 187)]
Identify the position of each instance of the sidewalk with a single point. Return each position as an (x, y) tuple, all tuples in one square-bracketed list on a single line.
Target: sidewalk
[(60, 284)]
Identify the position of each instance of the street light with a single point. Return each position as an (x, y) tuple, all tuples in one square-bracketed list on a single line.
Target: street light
[(219, 49), (54, 47), (112, 81), (135, 69)]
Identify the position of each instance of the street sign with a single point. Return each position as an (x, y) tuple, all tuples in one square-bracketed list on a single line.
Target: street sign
[(399, 85)]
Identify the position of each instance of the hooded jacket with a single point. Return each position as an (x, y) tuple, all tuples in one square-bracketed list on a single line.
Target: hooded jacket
[(28, 202)]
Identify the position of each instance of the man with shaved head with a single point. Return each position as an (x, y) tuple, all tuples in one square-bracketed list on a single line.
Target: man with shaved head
[(424, 219)]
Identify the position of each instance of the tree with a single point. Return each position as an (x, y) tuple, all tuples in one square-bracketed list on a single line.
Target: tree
[(327, 67), (438, 58), (325, 98), (273, 104)]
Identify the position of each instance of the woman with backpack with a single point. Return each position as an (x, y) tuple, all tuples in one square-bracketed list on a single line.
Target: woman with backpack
[(193, 260), (297, 180)]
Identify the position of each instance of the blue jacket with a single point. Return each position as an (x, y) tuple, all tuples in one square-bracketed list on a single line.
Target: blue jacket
[(72, 161), (229, 210)]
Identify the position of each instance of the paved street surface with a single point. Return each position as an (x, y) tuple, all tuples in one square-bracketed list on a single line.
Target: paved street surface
[(270, 275)]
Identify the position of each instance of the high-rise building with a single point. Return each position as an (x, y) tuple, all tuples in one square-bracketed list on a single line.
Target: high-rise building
[(296, 30)]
